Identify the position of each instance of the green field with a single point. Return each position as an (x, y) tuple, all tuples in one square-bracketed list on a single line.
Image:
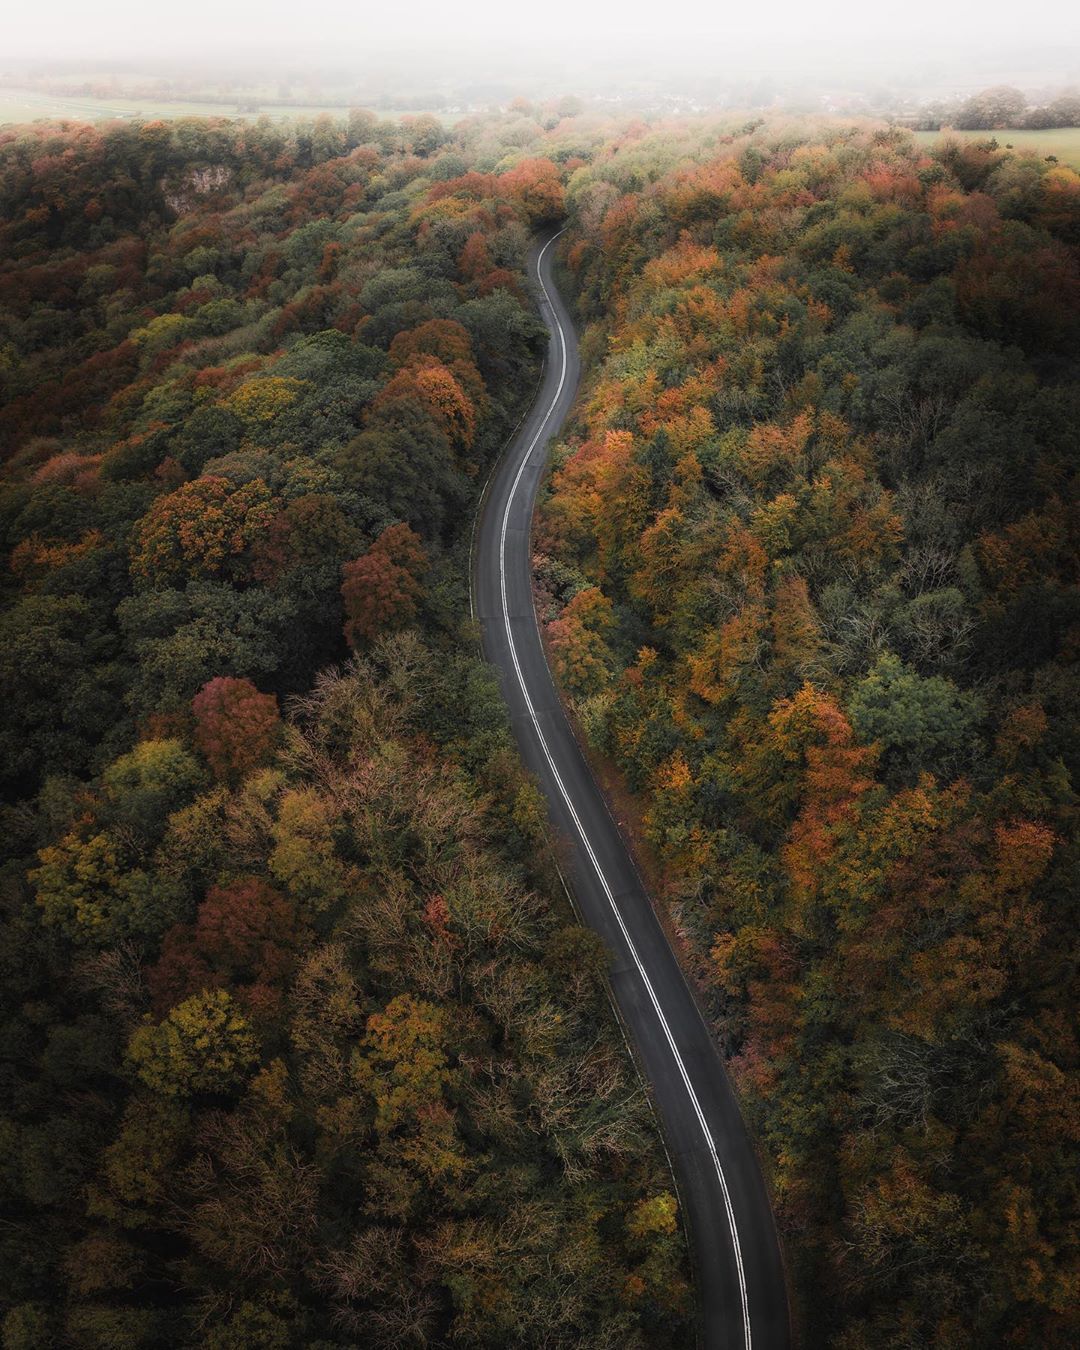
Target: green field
[(1061, 141), (24, 105), (29, 105)]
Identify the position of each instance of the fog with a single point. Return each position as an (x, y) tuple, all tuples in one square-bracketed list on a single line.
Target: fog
[(561, 43)]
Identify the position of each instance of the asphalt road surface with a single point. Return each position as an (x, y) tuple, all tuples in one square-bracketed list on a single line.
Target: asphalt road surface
[(738, 1271)]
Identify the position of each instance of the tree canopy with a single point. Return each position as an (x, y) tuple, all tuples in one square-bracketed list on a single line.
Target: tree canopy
[(808, 573)]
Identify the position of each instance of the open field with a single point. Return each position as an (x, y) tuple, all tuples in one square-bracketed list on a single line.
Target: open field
[(26, 105), (1061, 141)]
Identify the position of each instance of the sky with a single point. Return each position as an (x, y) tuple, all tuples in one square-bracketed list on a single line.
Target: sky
[(360, 33)]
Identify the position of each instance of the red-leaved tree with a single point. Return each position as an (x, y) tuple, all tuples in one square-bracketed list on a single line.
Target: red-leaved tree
[(381, 589), (236, 727), (245, 938)]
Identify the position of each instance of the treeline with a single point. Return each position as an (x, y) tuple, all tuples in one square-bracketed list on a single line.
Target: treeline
[(300, 1047), (1003, 107), (808, 568)]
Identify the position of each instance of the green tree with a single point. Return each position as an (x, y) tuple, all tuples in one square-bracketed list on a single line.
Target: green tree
[(922, 722), (1000, 106), (145, 786), (88, 887)]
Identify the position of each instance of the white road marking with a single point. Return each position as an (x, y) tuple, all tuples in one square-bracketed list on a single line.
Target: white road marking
[(683, 1073)]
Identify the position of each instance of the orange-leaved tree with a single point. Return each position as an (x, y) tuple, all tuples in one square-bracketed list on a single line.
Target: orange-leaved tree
[(203, 529)]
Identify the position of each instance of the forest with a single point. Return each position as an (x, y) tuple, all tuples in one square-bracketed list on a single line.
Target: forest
[(808, 570), (301, 1045)]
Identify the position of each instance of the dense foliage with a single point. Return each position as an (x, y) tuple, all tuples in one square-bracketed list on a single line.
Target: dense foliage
[(809, 571), (300, 1045), (230, 358)]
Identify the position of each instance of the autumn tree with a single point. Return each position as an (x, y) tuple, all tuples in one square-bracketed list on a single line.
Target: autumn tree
[(147, 785), (203, 1046), (437, 391), (203, 529), (537, 186), (90, 886), (925, 721), (236, 727), (579, 641), (245, 937), (381, 589)]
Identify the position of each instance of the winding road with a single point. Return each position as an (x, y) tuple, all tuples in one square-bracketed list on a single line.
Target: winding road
[(738, 1270)]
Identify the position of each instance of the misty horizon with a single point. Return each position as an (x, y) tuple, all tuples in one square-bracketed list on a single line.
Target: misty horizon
[(563, 46)]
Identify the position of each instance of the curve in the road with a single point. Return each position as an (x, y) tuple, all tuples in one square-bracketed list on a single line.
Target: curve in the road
[(742, 1290)]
